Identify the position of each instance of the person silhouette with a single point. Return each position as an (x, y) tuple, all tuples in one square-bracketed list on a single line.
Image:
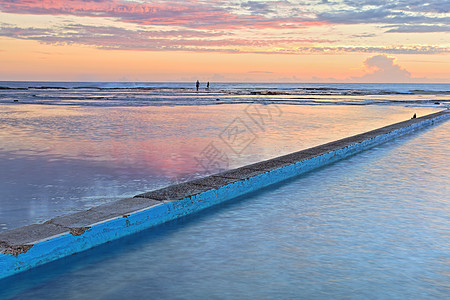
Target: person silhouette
[(197, 84), (207, 86)]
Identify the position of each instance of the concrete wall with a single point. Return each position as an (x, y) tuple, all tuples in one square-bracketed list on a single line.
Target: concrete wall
[(30, 246)]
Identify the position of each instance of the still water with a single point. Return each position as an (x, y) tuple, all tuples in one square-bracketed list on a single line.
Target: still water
[(374, 226), (59, 159)]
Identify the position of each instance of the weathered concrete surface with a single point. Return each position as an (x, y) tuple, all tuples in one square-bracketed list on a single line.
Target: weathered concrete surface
[(20, 240), (269, 165), (102, 213), (34, 245), (176, 192), (214, 181), (239, 173), (30, 234)]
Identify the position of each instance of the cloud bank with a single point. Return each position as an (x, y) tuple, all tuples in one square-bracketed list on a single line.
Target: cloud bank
[(382, 68), (240, 14), (254, 26), (192, 14), (116, 38)]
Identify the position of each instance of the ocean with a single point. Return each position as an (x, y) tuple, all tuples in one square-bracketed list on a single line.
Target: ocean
[(69, 146), (182, 93)]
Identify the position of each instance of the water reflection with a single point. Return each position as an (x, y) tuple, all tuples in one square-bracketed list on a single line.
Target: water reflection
[(371, 226), (60, 159)]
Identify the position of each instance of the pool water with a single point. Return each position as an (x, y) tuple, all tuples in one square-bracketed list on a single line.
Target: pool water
[(373, 226), (58, 159)]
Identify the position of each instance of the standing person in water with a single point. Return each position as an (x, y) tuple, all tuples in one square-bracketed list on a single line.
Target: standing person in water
[(197, 85), (207, 86)]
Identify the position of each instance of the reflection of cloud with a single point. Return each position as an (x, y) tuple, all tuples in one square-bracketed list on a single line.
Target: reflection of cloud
[(383, 69)]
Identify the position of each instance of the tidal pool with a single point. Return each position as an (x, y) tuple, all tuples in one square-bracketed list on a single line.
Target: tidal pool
[(373, 226)]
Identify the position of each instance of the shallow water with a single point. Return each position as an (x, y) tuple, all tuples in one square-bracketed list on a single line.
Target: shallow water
[(373, 226), (57, 159), (179, 93)]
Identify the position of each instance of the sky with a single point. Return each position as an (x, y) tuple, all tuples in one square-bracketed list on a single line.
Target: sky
[(228, 41)]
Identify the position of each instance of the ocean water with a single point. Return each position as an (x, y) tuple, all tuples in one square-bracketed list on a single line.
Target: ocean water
[(374, 226), (66, 147), (162, 94)]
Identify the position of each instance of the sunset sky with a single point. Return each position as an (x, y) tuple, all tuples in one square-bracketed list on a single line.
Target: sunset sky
[(276, 41)]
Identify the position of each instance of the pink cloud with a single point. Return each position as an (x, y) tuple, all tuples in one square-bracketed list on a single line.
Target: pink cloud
[(108, 37), (188, 14)]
